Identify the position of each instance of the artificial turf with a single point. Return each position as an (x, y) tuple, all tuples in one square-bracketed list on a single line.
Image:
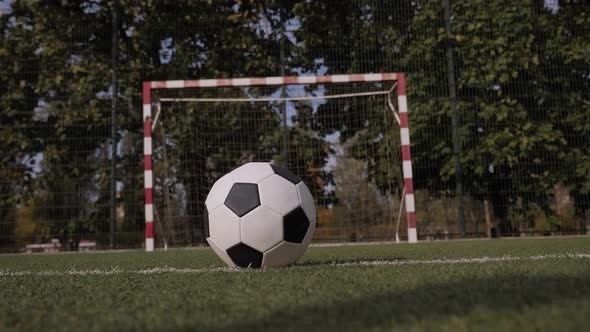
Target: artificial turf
[(532, 284)]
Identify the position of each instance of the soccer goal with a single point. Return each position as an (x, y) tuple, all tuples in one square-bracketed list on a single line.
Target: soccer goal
[(346, 136)]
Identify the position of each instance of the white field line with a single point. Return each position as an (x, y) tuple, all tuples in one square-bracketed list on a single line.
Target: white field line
[(467, 260), (166, 269)]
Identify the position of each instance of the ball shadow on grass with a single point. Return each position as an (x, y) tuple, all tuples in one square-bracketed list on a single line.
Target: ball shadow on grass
[(396, 309)]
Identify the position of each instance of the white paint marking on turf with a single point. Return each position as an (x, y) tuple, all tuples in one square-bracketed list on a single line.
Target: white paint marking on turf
[(166, 269), (61, 273), (470, 260), (155, 270)]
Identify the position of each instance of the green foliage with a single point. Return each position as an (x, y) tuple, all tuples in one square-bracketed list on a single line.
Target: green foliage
[(512, 127), (522, 98)]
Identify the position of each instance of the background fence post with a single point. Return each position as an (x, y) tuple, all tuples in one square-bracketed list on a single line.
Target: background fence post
[(114, 97), (455, 121)]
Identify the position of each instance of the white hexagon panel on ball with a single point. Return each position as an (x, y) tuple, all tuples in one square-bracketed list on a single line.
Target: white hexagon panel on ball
[(262, 228), (252, 172), (224, 227), (222, 253), (278, 194), (218, 192), (284, 254)]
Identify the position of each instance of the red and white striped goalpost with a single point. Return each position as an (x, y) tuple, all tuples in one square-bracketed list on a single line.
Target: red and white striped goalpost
[(148, 175), (268, 81)]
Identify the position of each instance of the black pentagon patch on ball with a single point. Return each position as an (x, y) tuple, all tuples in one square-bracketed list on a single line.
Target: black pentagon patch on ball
[(295, 225), (245, 256), (243, 198), (285, 173), (206, 222)]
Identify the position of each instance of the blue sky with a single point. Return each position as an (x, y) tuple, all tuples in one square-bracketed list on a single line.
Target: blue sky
[(5, 6)]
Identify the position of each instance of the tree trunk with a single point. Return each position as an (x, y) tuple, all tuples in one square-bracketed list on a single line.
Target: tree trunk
[(7, 228), (488, 216), (499, 195), (581, 204)]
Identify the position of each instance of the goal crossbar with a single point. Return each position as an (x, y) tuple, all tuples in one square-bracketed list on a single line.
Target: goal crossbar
[(267, 99), (273, 80), (401, 115)]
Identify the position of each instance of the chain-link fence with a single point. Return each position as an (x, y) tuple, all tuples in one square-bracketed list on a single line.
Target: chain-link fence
[(498, 94)]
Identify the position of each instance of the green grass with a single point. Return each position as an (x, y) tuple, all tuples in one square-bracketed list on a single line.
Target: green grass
[(550, 294)]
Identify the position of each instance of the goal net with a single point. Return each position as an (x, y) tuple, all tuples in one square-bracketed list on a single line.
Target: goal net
[(346, 136)]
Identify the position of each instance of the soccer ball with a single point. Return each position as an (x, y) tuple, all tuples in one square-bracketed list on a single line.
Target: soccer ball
[(259, 215)]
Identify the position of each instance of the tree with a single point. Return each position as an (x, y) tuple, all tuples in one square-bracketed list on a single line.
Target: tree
[(356, 37), (199, 139), (15, 92), (522, 82), (63, 93), (509, 141), (565, 64)]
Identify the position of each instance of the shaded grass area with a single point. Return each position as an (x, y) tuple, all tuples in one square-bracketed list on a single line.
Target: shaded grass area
[(548, 294)]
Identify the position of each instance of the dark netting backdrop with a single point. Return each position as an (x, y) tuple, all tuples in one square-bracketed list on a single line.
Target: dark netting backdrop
[(498, 95)]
